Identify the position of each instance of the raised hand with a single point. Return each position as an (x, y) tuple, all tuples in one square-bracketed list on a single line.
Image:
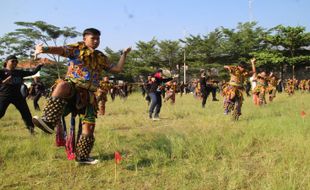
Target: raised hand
[(38, 50), (253, 60), (127, 50)]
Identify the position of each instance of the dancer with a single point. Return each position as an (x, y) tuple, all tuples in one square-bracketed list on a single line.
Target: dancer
[(259, 91), (207, 86), (234, 89), (156, 88), (102, 94), (11, 80), (203, 87), (37, 89), (182, 88), (290, 87), (147, 87), (77, 90), (170, 91), (272, 86)]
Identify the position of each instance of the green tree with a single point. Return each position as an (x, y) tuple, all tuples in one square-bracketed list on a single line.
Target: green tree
[(21, 42), (198, 51), (133, 68), (291, 41), (169, 52), (194, 46), (147, 53), (239, 43), (223, 46)]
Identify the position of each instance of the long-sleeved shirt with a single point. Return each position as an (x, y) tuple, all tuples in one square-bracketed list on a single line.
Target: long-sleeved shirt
[(154, 86), (13, 88), (203, 83), (85, 66)]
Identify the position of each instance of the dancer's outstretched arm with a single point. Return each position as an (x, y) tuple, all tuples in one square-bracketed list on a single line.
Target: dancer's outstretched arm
[(119, 67)]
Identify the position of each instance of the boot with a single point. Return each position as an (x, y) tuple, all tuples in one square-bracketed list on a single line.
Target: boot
[(83, 149), (51, 115)]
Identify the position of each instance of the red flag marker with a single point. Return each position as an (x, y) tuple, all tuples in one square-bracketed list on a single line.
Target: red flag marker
[(303, 114), (117, 157)]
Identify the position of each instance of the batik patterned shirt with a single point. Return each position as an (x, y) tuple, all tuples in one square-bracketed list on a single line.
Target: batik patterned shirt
[(85, 66), (237, 77), (273, 81), (105, 86)]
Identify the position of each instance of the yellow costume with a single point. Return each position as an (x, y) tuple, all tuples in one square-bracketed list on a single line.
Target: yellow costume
[(233, 95)]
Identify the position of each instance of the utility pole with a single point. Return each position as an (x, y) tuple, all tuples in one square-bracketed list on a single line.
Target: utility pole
[(250, 11), (184, 65), (184, 58)]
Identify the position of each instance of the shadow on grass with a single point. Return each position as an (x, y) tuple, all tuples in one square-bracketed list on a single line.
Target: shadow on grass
[(1, 161), (142, 163), (105, 156)]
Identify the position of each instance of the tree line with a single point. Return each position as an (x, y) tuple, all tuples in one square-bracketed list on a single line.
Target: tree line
[(279, 49)]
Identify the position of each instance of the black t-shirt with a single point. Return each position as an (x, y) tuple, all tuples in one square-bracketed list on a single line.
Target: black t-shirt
[(147, 86), (13, 88), (203, 83)]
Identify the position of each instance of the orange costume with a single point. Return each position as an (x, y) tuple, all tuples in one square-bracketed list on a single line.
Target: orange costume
[(171, 88), (260, 89), (101, 95), (289, 87), (232, 92)]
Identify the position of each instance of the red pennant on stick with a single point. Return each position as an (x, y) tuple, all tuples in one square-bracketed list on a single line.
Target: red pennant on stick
[(117, 157), (303, 114)]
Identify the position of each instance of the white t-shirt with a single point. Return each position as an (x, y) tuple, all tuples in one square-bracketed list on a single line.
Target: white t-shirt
[(253, 82)]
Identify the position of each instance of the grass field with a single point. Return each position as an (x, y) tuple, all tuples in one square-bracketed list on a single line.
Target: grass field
[(189, 148)]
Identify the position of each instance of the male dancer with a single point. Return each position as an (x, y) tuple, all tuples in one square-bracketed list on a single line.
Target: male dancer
[(11, 80), (171, 88), (259, 91), (272, 86), (203, 87), (207, 86), (233, 90), (290, 87), (37, 89), (77, 90), (102, 94)]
